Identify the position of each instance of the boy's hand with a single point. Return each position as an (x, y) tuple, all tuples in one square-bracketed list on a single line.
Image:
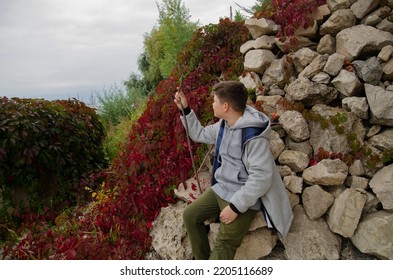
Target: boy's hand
[(227, 215), (180, 99)]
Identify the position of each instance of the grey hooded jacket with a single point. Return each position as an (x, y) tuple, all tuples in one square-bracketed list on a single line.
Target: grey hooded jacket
[(249, 178)]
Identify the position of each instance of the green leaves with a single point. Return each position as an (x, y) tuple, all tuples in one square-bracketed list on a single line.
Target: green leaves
[(164, 42)]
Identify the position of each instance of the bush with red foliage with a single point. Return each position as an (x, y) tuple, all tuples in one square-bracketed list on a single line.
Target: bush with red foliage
[(290, 14)]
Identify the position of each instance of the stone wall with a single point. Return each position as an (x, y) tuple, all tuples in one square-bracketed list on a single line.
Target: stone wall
[(331, 153)]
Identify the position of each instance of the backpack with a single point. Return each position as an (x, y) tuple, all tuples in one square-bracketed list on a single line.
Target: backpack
[(247, 133)]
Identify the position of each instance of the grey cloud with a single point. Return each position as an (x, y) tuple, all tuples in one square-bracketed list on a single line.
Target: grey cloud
[(50, 47)]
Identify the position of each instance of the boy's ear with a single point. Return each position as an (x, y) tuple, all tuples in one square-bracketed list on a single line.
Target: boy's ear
[(226, 106)]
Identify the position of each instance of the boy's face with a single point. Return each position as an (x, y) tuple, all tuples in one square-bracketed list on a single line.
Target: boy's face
[(218, 107)]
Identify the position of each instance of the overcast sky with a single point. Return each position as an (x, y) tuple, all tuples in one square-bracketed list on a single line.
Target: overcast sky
[(59, 49)]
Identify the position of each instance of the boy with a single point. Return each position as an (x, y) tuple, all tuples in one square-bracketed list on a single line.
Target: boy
[(246, 179)]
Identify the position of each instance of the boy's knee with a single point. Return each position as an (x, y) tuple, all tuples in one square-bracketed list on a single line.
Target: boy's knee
[(187, 215)]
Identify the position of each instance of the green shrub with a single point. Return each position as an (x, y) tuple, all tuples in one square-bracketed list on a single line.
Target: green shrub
[(120, 107), (120, 101), (45, 147), (117, 135)]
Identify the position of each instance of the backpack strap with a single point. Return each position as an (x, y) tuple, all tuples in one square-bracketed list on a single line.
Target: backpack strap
[(216, 162), (247, 134), (250, 132)]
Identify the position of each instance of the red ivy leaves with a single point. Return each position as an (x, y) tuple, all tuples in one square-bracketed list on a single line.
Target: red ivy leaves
[(290, 14)]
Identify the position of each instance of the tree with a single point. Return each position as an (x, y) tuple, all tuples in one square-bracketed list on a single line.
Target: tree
[(239, 16), (257, 7), (165, 41)]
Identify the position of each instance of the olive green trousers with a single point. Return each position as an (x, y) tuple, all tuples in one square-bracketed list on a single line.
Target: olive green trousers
[(229, 237)]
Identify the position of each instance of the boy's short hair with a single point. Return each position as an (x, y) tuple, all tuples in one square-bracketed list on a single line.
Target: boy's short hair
[(233, 92)]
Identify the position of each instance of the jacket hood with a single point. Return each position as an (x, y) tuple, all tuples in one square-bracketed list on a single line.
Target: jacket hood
[(253, 118)]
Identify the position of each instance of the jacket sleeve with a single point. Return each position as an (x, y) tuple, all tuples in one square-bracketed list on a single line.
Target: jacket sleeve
[(260, 165), (197, 132)]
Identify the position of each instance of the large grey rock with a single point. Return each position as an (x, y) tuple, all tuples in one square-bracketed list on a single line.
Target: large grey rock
[(296, 160), (303, 57), (309, 93), (328, 137), (301, 42), (370, 71), (335, 5), (386, 53), (347, 83), (338, 21), (334, 64), (321, 78), (303, 146), (276, 144), (372, 204), (383, 140), (316, 201), (376, 17), (256, 244), (251, 80), (278, 73), (381, 104), (264, 42), (258, 60), (386, 25), (315, 67), (357, 105), (357, 182), (363, 7), (374, 235), (249, 45), (169, 236), (382, 186), (360, 39), (344, 215), (327, 45), (388, 70), (327, 172), (259, 27), (295, 125), (293, 183), (310, 239), (356, 168)]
